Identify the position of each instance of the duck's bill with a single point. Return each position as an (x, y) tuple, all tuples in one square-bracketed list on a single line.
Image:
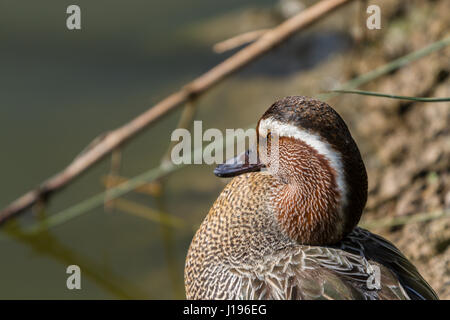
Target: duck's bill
[(243, 163)]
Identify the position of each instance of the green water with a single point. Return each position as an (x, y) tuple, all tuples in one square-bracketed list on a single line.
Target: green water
[(59, 89)]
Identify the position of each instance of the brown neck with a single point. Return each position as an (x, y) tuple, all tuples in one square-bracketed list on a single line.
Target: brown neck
[(307, 201)]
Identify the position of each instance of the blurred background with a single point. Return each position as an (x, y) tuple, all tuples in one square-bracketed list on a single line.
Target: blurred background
[(59, 89)]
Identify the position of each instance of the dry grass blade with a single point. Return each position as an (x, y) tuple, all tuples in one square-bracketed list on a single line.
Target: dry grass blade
[(393, 96)]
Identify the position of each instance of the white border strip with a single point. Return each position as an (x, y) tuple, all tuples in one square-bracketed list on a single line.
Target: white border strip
[(315, 142)]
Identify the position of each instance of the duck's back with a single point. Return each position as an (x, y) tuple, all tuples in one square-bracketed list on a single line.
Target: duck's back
[(239, 252), (378, 250)]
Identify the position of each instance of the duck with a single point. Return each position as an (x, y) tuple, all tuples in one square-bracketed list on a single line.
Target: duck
[(286, 226)]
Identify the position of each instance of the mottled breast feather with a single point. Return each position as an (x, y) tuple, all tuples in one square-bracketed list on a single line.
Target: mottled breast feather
[(239, 252)]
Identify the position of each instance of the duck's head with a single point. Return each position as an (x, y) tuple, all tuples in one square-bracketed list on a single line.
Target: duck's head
[(320, 182)]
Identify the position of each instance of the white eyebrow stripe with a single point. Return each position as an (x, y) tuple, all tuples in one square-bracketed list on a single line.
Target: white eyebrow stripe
[(315, 142)]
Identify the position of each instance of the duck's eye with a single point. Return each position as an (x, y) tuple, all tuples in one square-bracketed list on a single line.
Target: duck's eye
[(269, 136)]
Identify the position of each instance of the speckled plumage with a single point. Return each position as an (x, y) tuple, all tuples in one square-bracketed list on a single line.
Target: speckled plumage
[(251, 244)]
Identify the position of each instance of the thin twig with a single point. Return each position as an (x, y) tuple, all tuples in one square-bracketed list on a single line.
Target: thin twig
[(97, 200), (162, 170), (150, 189), (148, 213), (185, 122), (392, 96), (116, 159), (125, 187), (115, 138), (391, 66), (238, 40)]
